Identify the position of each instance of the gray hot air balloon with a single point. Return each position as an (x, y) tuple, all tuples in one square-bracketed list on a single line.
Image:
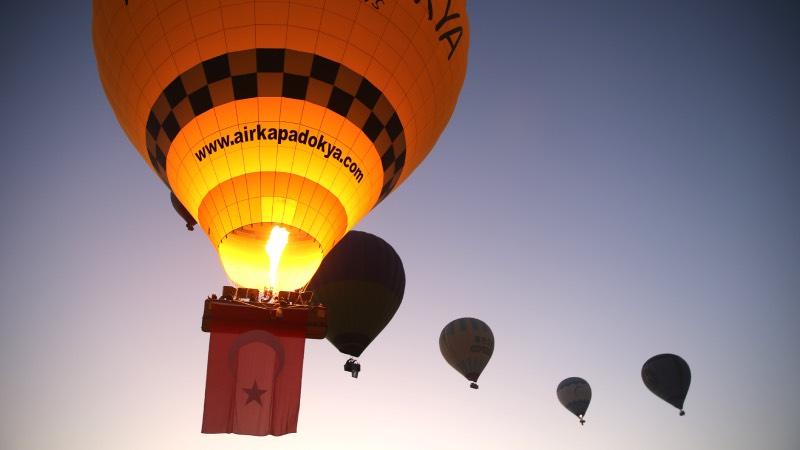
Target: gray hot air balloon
[(668, 376), (575, 394), (467, 344)]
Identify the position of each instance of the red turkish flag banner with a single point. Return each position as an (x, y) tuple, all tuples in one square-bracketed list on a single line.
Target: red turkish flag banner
[(253, 382)]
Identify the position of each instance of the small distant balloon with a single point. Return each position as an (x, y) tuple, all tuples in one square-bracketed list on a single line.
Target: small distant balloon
[(467, 345), (575, 394), (668, 376)]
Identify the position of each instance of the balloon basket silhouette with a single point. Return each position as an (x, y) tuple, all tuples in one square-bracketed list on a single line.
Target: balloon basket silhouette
[(582, 421), (473, 385), (353, 367), (682, 413), (237, 308)]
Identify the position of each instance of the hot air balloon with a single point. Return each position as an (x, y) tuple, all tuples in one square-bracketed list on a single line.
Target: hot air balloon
[(281, 118), (361, 282), (181, 210), (277, 126), (575, 394), (668, 376), (467, 345)]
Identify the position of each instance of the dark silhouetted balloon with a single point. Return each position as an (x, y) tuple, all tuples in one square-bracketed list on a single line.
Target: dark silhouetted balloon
[(361, 282), (181, 210), (668, 376), (575, 394), (467, 345)]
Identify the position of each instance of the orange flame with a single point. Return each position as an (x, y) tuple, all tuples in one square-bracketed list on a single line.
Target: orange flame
[(278, 238)]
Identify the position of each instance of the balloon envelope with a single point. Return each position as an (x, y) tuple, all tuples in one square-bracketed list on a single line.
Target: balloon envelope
[(575, 394), (467, 345), (668, 376), (361, 282), (181, 210), (302, 115)]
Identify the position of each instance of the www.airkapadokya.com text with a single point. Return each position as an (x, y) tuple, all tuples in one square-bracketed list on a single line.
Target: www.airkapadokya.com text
[(260, 133)]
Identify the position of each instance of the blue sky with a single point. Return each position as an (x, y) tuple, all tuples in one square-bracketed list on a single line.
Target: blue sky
[(617, 181)]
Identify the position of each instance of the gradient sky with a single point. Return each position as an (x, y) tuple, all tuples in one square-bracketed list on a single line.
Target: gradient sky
[(620, 179)]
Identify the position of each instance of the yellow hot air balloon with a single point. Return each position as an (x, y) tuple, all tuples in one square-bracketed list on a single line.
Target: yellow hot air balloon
[(291, 115)]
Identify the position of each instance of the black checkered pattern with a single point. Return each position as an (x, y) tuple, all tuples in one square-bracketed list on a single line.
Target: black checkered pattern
[(270, 72)]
